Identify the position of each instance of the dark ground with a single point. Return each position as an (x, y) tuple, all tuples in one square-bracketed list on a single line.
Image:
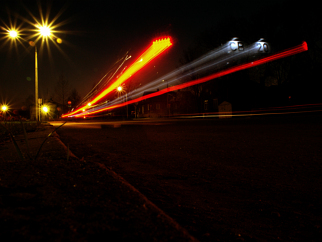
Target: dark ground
[(253, 178), (54, 198)]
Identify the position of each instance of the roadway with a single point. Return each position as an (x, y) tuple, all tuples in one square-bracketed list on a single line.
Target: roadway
[(249, 178)]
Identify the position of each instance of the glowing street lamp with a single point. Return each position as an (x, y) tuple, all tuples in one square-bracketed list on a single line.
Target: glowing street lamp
[(45, 109), (43, 32), (13, 34), (120, 89), (4, 108)]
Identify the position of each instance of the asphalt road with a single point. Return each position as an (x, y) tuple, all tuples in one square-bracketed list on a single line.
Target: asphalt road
[(255, 178)]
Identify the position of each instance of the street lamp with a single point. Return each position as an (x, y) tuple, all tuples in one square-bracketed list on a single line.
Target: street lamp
[(43, 32), (4, 109), (120, 89), (45, 109), (13, 33)]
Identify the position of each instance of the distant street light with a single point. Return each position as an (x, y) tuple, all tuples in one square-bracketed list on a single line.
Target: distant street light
[(120, 89), (4, 108), (45, 109)]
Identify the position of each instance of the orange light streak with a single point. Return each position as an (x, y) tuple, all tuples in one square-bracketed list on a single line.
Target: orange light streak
[(152, 52), (292, 51), (157, 48)]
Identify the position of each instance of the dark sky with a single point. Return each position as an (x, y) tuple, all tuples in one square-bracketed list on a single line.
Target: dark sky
[(96, 33)]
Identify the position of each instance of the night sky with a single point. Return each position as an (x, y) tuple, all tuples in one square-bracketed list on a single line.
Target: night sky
[(96, 33)]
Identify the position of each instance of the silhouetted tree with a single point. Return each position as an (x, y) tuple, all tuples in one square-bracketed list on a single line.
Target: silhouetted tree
[(62, 91), (74, 98), (30, 101)]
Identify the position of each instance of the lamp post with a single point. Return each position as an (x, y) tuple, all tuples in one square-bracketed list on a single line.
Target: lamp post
[(43, 32)]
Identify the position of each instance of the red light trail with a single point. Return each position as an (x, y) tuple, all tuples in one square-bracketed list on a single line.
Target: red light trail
[(152, 52), (288, 52)]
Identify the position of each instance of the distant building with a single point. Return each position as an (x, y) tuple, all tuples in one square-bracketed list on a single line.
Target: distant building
[(155, 107), (225, 110)]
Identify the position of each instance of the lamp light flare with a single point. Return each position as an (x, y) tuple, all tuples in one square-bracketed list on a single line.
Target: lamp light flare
[(288, 52), (45, 109), (44, 30), (4, 108), (13, 34)]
